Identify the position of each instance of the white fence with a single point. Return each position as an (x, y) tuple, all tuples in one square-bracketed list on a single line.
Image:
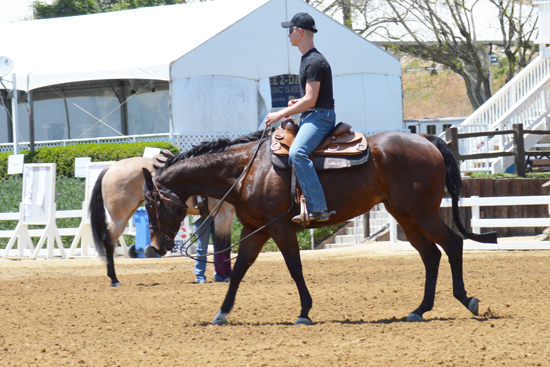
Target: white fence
[(60, 214), (477, 223)]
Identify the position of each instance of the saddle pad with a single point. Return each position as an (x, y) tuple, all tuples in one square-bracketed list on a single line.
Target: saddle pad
[(322, 162)]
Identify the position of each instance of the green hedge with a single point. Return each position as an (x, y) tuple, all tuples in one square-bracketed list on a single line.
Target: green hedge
[(64, 156)]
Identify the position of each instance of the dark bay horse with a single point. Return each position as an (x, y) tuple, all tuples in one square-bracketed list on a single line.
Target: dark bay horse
[(406, 172), (119, 189)]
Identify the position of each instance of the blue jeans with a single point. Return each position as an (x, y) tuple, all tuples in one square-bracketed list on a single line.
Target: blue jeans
[(202, 246), (314, 127)]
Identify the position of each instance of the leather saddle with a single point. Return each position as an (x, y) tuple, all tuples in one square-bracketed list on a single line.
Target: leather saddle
[(341, 148)]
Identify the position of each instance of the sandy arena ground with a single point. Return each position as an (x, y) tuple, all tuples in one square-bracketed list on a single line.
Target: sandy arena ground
[(64, 313)]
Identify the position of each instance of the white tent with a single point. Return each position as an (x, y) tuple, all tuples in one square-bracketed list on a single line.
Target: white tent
[(227, 76), (223, 52)]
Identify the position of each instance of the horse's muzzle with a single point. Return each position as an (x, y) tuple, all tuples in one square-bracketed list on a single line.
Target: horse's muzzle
[(162, 245), (166, 244)]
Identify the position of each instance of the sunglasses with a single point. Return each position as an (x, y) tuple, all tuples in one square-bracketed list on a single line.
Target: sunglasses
[(291, 29)]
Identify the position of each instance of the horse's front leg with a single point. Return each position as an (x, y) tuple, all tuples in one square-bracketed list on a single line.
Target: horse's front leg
[(248, 252), (288, 244)]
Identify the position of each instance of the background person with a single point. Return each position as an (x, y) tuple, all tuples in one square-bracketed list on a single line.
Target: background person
[(202, 245)]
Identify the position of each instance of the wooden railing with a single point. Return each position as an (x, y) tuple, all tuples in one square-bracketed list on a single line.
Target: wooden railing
[(518, 150)]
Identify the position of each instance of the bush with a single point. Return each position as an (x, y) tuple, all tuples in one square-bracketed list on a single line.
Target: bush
[(509, 175), (304, 237), (64, 157)]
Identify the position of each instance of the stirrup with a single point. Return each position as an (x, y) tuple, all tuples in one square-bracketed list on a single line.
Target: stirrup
[(303, 217)]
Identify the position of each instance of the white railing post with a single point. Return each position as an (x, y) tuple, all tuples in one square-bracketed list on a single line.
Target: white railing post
[(393, 230), (355, 230), (475, 215)]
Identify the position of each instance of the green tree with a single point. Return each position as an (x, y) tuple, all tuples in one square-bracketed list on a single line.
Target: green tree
[(66, 8)]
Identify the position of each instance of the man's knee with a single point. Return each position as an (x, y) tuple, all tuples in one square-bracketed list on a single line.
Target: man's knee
[(295, 155)]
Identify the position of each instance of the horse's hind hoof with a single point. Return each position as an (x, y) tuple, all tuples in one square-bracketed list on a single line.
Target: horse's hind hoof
[(414, 317), (303, 321), (115, 284), (473, 306), (220, 318)]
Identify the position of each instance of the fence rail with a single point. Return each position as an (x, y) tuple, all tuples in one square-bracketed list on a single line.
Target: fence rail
[(477, 223), (517, 151), (60, 214)]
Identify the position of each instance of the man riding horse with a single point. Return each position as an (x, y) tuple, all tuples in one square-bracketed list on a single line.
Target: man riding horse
[(318, 116)]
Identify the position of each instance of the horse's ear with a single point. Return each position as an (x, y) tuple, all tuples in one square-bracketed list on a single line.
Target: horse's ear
[(148, 179)]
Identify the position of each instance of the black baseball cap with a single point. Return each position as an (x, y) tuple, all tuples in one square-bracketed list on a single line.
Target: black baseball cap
[(301, 20)]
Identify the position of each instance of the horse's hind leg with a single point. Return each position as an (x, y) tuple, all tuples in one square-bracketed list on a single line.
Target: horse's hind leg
[(116, 228), (453, 247), (431, 256), (248, 252), (437, 231)]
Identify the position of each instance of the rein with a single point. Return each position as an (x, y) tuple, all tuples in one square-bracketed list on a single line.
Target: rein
[(184, 250), (156, 202)]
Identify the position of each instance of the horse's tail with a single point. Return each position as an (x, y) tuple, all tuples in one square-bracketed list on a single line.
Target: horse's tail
[(98, 219), (453, 182)]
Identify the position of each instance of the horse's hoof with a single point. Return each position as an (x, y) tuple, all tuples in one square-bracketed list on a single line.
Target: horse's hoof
[(414, 317), (115, 284), (303, 321), (220, 318), (473, 306)]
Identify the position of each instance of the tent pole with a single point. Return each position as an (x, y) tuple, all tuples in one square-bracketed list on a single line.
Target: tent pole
[(31, 121), (66, 113), (5, 95), (14, 115), (123, 109)]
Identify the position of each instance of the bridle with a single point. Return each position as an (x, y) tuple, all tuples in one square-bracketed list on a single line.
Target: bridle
[(156, 196), (184, 250)]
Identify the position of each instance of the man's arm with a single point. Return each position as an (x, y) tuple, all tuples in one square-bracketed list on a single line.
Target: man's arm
[(297, 105)]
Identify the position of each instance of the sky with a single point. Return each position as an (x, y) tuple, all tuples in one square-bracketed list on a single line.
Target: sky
[(12, 10)]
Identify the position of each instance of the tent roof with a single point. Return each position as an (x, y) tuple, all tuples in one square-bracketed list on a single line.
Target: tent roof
[(141, 43), (257, 47)]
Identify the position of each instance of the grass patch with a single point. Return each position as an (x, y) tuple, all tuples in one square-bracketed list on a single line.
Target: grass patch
[(441, 94), (69, 195)]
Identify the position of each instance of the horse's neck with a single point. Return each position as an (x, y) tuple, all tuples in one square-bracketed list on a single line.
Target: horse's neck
[(210, 174)]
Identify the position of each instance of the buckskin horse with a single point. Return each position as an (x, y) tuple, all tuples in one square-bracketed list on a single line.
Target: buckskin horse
[(406, 172), (119, 188)]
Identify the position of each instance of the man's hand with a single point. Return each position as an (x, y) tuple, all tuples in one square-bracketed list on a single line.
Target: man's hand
[(272, 118)]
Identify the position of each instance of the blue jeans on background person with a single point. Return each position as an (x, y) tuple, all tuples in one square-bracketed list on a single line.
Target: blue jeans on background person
[(202, 248), (314, 127)]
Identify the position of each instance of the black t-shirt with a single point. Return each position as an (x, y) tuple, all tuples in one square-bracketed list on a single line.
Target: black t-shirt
[(314, 67)]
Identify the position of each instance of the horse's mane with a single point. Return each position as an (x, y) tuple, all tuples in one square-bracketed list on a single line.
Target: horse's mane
[(212, 147)]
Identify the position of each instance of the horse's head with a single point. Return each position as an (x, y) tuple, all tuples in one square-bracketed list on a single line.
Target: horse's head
[(166, 211)]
